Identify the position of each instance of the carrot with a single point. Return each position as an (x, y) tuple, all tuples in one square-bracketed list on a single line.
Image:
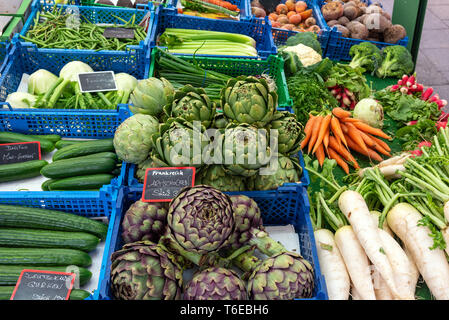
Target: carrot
[(379, 149), (367, 139), (336, 129), (340, 112), (356, 137), (308, 131), (374, 131), (369, 153), (334, 155), (380, 142), (320, 155), (323, 128), (333, 143), (326, 138), (315, 131), (344, 128), (347, 119)]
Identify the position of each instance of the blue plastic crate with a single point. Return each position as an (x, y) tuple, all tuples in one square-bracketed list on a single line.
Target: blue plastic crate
[(280, 36), (258, 29), (289, 208), (133, 60), (338, 47), (243, 5), (2, 54), (83, 124)]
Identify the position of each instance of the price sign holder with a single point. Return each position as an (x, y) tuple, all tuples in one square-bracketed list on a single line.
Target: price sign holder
[(20, 152), (119, 33), (43, 285), (163, 184), (97, 81)]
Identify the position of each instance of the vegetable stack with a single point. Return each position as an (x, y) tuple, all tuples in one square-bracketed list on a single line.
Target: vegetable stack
[(335, 134)]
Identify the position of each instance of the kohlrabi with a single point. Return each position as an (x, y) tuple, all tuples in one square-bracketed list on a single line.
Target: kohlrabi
[(369, 111)]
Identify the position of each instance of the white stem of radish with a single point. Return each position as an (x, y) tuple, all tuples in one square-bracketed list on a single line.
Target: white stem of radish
[(332, 265), (356, 262), (432, 264), (380, 286), (376, 216)]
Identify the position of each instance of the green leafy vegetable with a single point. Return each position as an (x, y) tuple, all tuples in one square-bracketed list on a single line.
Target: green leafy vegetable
[(411, 136), (309, 39), (349, 78)]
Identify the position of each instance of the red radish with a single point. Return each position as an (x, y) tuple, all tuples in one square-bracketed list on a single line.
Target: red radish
[(444, 102), (404, 90), (338, 97), (394, 88), (419, 87), (412, 123), (404, 78), (400, 82), (440, 104), (424, 144), (410, 81), (441, 124), (346, 100), (426, 95), (416, 152), (352, 106)]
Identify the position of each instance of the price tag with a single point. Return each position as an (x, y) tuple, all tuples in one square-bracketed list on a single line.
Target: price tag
[(43, 285), (97, 81), (119, 33), (163, 184), (269, 5), (20, 152)]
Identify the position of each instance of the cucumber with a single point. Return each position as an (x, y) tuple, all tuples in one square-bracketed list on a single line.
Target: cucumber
[(84, 148), (64, 143), (47, 257), (37, 218), (9, 274), (12, 137), (94, 181), (50, 137), (34, 238), (80, 166), (21, 170), (45, 184), (75, 294)]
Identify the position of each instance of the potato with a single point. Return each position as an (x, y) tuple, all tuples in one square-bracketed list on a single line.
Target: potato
[(332, 23), (344, 31), (332, 11), (281, 9), (258, 12), (310, 22), (343, 20), (394, 33), (358, 30), (376, 22)]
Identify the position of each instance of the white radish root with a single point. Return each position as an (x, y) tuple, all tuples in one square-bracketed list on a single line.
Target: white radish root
[(356, 262), (380, 286), (332, 265), (432, 264), (414, 268), (402, 266), (354, 207), (354, 294), (376, 216)]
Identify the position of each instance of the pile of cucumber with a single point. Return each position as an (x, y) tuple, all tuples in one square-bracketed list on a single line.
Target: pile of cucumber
[(81, 165), (76, 165), (34, 238)]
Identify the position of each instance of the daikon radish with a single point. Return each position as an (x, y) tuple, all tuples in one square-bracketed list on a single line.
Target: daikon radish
[(354, 207), (356, 262), (402, 266), (354, 294), (414, 268), (332, 265), (432, 264), (380, 286), (376, 215)]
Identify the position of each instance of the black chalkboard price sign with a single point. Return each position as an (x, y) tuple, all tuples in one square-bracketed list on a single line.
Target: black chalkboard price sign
[(119, 33), (43, 285), (97, 81), (163, 184), (20, 152), (269, 5)]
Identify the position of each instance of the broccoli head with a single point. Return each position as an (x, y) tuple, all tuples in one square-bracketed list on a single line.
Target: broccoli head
[(397, 61), (365, 55), (309, 39)]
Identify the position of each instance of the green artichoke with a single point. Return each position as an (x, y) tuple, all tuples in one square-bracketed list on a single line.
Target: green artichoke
[(245, 150), (145, 271), (247, 216), (215, 176), (192, 104), (151, 95), (200, 219), (289, 132), (142, 167), (179, 143), (284, 276), (288, 170), (215, 283), (247, 99), (132, 139), (220, 121), (144, 221)]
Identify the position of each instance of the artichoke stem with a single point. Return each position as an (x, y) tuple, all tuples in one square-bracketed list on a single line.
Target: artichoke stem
[(247, 262), (264, 243)]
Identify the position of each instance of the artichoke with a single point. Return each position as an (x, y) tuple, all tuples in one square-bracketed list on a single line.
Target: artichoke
[(289, 132), (215, 176), (144, 221), (200, 219), (144, 165), (247, 216), (283, 276), (192, 104), (287, 170), (179, 143), (220, 121), (145, 271), (245, 150), (247, 99), (215, 283), (132, 139), (151, 95)]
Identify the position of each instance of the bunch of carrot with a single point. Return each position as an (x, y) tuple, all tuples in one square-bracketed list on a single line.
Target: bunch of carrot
[(336, 133), (224, 4)]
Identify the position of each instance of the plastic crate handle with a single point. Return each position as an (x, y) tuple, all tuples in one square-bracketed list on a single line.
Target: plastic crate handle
[(2, 104)]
